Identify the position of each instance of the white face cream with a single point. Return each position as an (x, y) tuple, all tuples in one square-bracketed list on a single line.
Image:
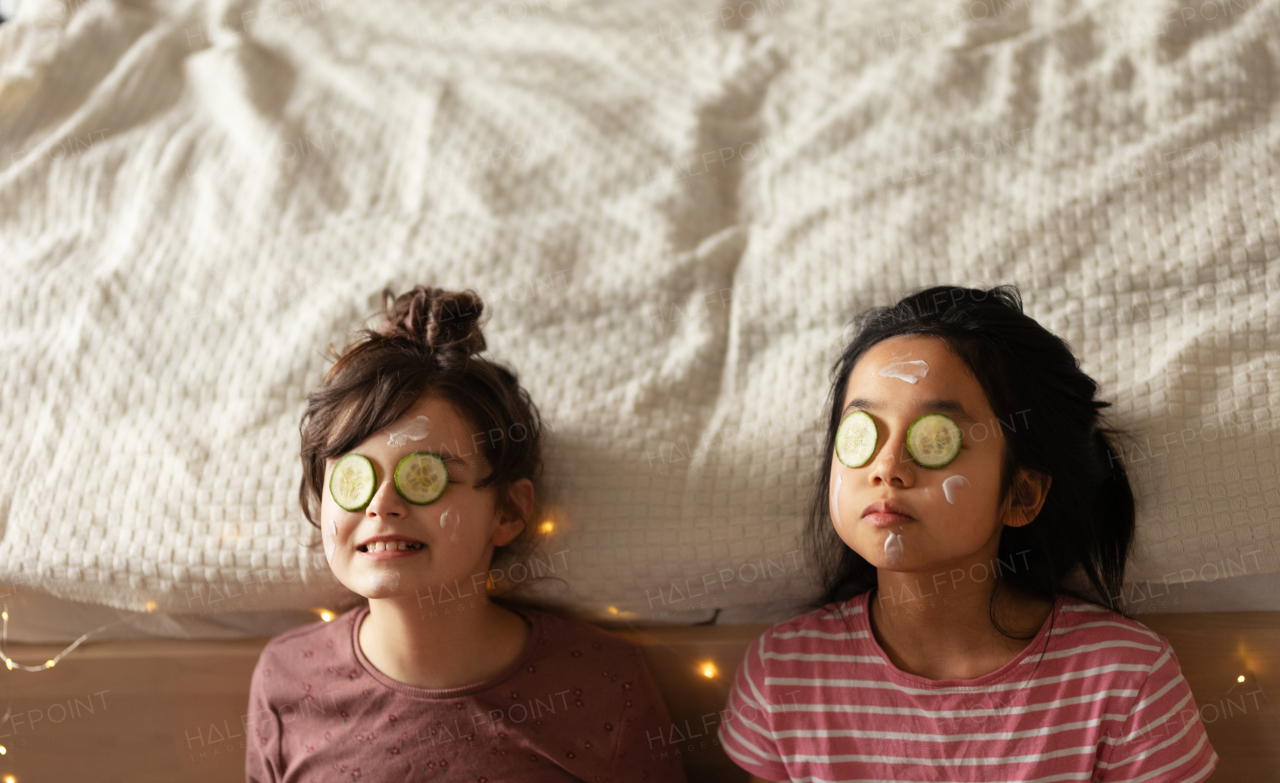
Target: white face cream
[(331, 540), (951, 485), (911, 372), (383, 583), (835, 501), (451, 517), (893, 549), (415, 430)]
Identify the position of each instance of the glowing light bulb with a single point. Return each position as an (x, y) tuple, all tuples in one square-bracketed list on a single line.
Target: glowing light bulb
[(1240, 678), (708, 669), (3, 750), (547, 528), (151, 606), (10, 779), (326, 615), (50, 664), (9, 662), (4, 615)]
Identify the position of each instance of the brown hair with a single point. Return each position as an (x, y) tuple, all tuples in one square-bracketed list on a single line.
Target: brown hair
[(428, 344)]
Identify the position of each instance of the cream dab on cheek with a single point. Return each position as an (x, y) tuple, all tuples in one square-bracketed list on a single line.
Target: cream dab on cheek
[(451, 517), (383, 583), (911, 372), (414, 430), (952, 484), (331, 540), (893, 549), (835, 501)]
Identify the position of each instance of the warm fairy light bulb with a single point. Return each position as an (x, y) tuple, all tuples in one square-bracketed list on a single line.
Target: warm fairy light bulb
[(10, 779), (3, 750), (326, 615), (5, 615), (9, 662), (708, 669), (151, 606), (49, 664), (547, 528), (1240, 678), (613, 610)]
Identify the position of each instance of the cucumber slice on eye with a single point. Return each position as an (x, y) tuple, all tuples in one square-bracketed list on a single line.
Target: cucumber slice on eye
[(933, 440), (421, 477), (856, 439), (352, 482)]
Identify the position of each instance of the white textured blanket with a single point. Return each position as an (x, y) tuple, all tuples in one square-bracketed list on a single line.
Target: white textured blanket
[(673, 210)]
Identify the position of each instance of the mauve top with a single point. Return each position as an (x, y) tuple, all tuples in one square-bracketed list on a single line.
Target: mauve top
[(578, 704)]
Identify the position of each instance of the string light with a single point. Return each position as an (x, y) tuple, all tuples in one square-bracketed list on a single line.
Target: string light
[(326, 615), (708, 669), (547, 528), (52, 662), (1240, 678)]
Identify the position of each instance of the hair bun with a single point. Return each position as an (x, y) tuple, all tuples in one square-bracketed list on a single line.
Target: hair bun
[(436, 317)]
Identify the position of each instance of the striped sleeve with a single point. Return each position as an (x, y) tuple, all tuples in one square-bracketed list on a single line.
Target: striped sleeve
[(747, 732), (1163, 739)]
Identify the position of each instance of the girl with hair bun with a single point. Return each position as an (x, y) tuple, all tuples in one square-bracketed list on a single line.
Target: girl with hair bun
[(419, 460), (971, 522)]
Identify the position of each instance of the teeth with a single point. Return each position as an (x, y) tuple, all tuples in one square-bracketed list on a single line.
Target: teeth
[(392, 546)]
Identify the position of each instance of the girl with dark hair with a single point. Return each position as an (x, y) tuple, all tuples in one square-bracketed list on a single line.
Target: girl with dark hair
[(971, 523), (419, 460)]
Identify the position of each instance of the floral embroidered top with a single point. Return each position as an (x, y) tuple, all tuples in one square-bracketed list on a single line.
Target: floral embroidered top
[(578, 704)]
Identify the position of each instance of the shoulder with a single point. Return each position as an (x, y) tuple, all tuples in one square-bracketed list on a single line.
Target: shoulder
[(559, 636), (828, 638), (292, 654), (835, 624), (1089, 629)]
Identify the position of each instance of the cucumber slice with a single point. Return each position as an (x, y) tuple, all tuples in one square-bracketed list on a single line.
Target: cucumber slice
[(352, 482), (421, 477), (933, 440), (856, 439)]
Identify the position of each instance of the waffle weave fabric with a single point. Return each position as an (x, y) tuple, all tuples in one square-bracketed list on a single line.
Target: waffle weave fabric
[(673, 211)]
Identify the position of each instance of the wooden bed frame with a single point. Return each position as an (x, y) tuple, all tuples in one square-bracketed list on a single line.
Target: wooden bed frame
[(170, 710)]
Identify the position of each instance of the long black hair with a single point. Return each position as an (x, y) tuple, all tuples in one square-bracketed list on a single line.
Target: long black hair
[(1086, 524)]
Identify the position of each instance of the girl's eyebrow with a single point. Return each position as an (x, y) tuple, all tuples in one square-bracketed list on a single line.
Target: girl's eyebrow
[(955, 409)]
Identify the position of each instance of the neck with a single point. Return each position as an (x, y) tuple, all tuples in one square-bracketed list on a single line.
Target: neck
[(937, 623), (429, 648)]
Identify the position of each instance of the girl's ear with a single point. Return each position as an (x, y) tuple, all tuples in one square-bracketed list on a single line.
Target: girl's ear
[(1028, 497), (514, 514)]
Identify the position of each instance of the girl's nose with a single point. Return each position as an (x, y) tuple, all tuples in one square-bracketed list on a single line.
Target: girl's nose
[(892, 464), (386, 502)]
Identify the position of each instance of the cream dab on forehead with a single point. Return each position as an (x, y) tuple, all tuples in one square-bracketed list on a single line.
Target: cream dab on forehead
[(911, 371), (415, 430)]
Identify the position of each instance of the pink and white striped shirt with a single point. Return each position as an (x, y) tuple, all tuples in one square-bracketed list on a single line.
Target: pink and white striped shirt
[(1097, 698)]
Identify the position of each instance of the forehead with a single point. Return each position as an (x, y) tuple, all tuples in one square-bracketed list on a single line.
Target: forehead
[(947, 375), (447, 422)]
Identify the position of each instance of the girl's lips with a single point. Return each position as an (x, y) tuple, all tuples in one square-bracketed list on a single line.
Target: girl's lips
[(391, 554), (880, 519)]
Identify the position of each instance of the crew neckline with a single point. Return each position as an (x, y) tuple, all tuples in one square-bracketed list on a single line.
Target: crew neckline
[(412, 691), (1037, 645)]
